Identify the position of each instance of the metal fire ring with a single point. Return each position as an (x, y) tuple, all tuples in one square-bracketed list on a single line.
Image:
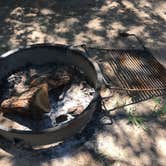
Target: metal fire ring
[(40, 54)]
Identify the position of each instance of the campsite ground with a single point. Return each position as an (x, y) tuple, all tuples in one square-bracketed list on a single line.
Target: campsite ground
[(96, 23)]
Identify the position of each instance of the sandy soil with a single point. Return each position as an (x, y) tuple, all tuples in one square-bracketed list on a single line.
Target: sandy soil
[(94, 23)]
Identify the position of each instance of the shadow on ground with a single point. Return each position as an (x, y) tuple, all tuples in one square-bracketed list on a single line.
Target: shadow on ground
[(65, 150), (94, 23), (107, 140)]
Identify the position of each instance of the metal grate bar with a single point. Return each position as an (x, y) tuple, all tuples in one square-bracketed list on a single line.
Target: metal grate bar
[(135, 69)]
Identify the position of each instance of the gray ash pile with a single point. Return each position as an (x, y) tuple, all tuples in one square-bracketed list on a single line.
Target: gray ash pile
[(41, 97)]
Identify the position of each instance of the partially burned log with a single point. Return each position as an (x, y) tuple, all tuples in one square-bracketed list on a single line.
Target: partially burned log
[(55, 79), (32, 102), (30, 95)]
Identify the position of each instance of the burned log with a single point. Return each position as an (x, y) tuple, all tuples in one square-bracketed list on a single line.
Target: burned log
[(30, 94), (54, 79), (33, 101)]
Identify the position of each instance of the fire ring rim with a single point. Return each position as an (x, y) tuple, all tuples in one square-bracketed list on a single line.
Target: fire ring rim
[(22, 134)]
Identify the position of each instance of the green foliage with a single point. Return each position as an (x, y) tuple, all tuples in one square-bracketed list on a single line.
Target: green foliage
[(157, 100), (135, 119), (159, 110), (139, 121)]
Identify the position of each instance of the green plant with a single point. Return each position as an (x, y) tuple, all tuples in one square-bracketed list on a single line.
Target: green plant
[(135, 119), (159, 110), (157, 100)]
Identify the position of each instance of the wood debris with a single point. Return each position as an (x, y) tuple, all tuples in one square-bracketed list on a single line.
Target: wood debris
[(29, 90), (33, 101), (53, 94), (54, 80)]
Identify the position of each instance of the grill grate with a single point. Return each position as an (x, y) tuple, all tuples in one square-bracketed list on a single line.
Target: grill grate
[(133, 69)]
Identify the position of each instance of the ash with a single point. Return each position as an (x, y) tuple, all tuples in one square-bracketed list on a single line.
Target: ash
[(71, 102), (66, 102)]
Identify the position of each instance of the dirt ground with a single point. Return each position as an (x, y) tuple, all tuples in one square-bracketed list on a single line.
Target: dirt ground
[(96, 23)]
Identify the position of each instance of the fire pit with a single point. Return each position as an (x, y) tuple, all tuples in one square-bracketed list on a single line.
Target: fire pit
[(60, 55)]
